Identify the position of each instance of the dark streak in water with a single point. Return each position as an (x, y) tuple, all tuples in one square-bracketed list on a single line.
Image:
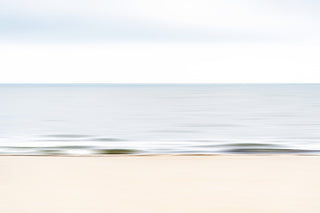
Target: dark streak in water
[(106, 139), (238, 145), (249, 145), (51, 152), (116, 151), (269, 151)]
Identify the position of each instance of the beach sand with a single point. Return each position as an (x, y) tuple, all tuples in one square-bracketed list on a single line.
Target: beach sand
[(154, 184)]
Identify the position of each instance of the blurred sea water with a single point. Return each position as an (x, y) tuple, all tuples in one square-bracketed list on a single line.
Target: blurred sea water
[(84, 119)]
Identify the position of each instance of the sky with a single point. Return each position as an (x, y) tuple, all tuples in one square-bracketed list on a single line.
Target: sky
[(168, 41)]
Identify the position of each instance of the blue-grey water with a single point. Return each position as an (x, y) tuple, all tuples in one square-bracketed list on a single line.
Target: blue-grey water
[(152, 119)]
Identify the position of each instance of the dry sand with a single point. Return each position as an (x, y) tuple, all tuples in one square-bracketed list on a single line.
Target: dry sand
[(152, 184)]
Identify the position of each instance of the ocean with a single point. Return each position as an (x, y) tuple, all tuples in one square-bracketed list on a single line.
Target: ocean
[(88, 119)]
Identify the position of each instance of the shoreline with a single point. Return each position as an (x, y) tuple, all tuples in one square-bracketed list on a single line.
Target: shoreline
[(160, 183), (167, 155)]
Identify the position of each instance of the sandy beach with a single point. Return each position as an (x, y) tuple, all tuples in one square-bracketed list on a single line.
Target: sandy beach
[(226, 184)]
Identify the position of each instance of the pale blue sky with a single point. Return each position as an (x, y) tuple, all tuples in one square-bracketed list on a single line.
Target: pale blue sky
[(166, 20), (162, 41)]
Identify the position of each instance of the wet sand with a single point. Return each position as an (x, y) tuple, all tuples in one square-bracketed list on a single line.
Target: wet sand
[(145, 184)]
